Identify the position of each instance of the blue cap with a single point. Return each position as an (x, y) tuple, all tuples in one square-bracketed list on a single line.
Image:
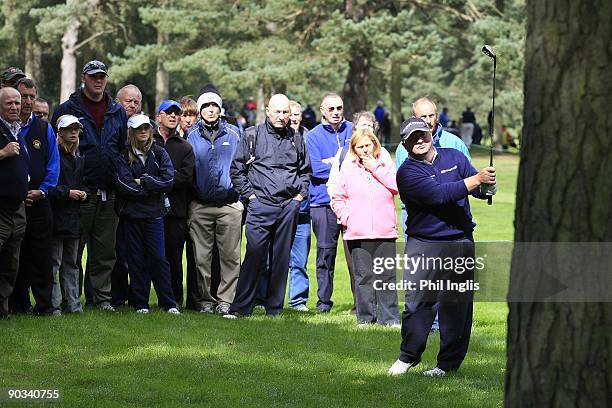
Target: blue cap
[(167, 104)]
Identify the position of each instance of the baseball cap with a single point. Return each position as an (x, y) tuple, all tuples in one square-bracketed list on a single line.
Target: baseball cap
[(411, 125), (167, 104), (66, 120), (94, 67), (12, 73), (137, 121)]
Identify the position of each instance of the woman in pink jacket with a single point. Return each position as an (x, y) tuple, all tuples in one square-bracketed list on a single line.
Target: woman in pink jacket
[(363, 202)]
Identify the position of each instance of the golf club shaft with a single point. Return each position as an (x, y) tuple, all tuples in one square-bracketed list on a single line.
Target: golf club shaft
[(491, 129)]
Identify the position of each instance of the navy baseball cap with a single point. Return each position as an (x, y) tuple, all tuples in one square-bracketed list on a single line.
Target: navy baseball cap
[(95, 67), (12, 73), (411, 125), (167, 104)]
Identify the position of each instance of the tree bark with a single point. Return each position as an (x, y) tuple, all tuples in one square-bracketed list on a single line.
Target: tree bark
[(559, 353), (68, 64), (33, 58), (162, 80), (355, 93), (396, 100)]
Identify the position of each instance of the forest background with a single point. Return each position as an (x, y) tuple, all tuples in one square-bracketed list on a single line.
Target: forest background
[(393, 51)]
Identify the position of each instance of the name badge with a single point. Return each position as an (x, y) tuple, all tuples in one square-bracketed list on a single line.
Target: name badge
[(36, 144)]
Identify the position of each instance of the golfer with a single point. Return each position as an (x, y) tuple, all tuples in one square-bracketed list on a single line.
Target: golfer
[(434, 185)]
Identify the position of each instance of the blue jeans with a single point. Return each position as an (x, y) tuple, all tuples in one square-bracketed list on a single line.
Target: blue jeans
[(298, 277)]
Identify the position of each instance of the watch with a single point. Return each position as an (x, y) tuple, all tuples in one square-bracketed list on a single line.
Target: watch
[(43, 194)]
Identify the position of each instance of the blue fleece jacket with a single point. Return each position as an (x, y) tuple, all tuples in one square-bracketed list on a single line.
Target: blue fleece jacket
[(323, 142), (436, 197)]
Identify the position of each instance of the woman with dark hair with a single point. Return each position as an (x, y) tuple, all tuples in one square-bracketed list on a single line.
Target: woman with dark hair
[(144, 175), (363, 200)]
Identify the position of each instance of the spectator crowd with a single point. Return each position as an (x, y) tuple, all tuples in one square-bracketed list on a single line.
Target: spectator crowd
[(137, 191)]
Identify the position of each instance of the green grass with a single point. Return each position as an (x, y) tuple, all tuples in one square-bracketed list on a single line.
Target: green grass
[(125, 360)]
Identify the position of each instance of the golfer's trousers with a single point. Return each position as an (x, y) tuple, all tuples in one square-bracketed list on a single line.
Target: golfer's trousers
[(269, 232), (455, 307)]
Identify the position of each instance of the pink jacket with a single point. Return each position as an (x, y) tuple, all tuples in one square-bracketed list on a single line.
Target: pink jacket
[(363, 201)]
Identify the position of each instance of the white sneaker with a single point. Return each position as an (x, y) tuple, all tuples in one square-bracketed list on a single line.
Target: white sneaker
[(174, 311), (301, 308), (434, 372), (399, 368), (142, 311)]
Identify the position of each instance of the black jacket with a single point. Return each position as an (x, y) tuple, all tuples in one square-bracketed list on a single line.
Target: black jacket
[(66, 220), (280, 168), (181, 155)]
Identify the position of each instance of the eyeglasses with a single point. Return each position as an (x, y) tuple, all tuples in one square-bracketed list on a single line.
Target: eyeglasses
[(335, 108), (172, 112)]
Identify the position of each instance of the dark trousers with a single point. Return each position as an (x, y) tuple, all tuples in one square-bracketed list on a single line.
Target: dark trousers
[(147, 262), (35, 265), (349, 266), (455, 308), (326, 228), (266, 226), (376, 303), (12, 230), (120, 286), (176, 235)]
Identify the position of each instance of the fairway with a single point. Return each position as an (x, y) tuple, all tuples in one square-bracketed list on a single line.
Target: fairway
[(128, 360)]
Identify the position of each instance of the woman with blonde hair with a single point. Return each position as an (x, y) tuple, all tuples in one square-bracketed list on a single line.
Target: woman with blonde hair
[(66, 198), (144, 174), (363, 200)]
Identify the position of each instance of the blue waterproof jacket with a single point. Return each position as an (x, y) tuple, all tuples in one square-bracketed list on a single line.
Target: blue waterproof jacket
[(99, 151), (213, 159), (322, 143), (147, 199)]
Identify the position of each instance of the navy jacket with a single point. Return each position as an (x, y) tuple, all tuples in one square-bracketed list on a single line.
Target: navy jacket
[(279, 170), (213, 159), (147, 199), (436, 197), (66, 219), (13, 173), (99, 151), (44, 155), (181, 155)]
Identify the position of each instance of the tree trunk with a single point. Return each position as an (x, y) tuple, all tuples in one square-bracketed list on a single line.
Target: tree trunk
[(559, 354), (500, 5), (261, 103), (396, 100), (355, 94), (33, 57), (69, 61), (162, 80)]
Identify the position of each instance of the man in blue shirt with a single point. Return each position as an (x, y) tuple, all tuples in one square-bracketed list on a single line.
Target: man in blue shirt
[(434, 185)]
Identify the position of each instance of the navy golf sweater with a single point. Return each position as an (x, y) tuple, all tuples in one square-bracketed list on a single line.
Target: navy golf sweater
[(436, 197), (13, 173)]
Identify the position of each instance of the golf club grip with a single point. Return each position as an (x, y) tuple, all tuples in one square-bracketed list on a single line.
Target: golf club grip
[(490, 200)]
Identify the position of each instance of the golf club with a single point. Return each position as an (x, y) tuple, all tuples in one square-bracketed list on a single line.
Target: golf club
[(488, 51)]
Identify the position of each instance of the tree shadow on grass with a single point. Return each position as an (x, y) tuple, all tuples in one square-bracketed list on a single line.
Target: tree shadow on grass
[(194, 360)]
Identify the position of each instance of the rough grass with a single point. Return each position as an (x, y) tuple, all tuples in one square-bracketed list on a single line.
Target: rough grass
[(193, 360)]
